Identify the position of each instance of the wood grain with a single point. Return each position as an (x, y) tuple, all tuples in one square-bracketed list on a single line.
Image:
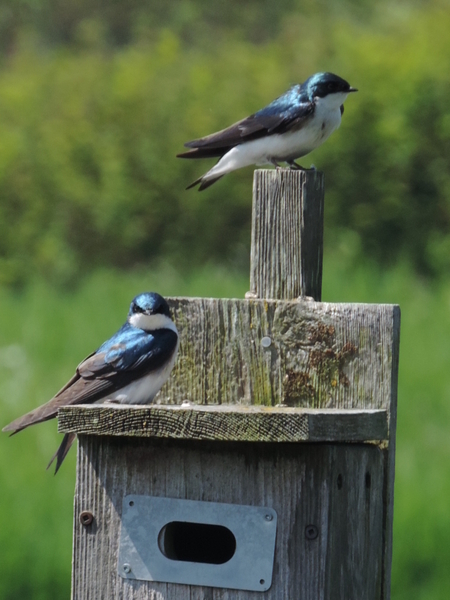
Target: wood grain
[(226, 423), (338, 489), (321, 355), (287, 234)]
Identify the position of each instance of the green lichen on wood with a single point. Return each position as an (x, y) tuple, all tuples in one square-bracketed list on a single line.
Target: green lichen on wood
[(319, 355)]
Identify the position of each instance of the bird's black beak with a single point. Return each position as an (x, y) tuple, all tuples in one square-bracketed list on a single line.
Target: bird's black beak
[(352, 89)]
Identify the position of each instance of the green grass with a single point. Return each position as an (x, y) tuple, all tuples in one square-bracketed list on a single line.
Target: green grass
[(44, 333)]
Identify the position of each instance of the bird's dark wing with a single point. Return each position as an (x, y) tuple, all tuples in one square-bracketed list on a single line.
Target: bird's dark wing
[(287, 113), (130, 354)]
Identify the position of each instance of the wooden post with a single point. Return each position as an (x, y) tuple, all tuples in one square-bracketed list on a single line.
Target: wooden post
[(287, 234), (285, 403)]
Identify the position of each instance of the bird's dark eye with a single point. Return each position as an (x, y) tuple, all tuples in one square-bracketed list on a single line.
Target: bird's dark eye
[(137, 308), (331, 86)]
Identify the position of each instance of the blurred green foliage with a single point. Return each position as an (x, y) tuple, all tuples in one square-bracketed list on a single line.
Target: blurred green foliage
[(89, 131)]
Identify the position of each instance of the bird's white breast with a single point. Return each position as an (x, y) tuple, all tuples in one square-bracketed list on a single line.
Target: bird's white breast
[(143, 390), (286, 146), (289, 146)]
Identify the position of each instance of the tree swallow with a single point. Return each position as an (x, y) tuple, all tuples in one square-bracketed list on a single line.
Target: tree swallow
[(129, 368), (289, 127)]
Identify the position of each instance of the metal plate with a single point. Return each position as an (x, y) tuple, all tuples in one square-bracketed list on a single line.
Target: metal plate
[(249, 568)]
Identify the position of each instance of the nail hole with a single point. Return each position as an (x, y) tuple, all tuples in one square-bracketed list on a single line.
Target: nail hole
[(339, 481), (262, 581), (131, 503)]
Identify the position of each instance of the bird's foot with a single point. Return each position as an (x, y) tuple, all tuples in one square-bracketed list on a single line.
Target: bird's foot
[(294, 166)]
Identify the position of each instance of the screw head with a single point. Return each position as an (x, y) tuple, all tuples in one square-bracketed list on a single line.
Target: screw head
[(126, 568), (86, 518), (266, 341), (269, 517), (311, 532)]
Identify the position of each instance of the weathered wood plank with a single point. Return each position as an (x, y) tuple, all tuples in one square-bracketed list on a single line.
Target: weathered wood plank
[(337, 489), (287, 234), (226, 423), (320, 355)]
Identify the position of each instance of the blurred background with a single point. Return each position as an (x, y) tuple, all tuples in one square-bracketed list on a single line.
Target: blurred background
[(96, 98)]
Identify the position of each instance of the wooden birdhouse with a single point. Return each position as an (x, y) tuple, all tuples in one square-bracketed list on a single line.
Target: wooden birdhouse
[(265, 468)]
